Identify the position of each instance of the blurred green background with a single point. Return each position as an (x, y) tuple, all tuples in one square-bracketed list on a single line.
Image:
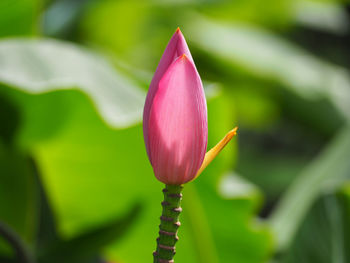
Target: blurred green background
[(75, 182)]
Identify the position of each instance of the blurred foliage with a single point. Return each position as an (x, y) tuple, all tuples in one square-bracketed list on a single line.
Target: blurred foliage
[(75, 181), (18, 17), (323, 236), (325, 174)]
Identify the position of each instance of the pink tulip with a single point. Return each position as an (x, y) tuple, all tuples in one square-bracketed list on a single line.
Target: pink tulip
[(175, 116)]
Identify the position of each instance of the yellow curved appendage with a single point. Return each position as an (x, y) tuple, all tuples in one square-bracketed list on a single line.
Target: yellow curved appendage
[(213, 152)]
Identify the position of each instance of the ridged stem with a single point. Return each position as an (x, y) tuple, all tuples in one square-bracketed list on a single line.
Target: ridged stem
[(169, 224)]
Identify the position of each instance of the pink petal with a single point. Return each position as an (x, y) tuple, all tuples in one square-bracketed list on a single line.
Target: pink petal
[(178, 124), (175, 48)]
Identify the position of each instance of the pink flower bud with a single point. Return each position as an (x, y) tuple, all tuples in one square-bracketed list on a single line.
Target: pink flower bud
[(175, 116)]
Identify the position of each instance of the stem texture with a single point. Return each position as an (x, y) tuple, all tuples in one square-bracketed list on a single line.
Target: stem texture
[(169, 224)]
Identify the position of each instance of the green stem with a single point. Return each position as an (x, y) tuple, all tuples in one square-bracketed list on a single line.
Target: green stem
[(22, 253), (169, 223)]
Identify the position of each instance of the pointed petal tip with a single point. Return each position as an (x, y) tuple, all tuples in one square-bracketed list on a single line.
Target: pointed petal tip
[(183, 56), (178, 30), (232, 133), (212, 153)]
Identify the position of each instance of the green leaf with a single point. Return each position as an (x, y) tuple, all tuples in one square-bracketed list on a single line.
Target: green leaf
[(233, 186), (43, 65), (6, 260), (325, 173), (264, 55), (90, 243), (324, 235), (10, 115), (61, 17), (225, 228), (344, 202), (18, 17), (322, 15), (18, 190)]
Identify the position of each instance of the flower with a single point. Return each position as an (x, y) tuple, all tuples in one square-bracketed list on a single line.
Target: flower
[(175, 116), (175, 125)]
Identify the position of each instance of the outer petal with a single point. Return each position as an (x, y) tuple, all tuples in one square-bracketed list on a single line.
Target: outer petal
[(176, 47), (178, 124)]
